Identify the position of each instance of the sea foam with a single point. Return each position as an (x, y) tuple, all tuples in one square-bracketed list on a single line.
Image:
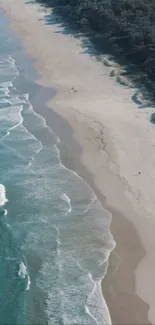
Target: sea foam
[(3, 198), (23, 274), (28, 283), (61, 243), (65, 198), (22, 270)]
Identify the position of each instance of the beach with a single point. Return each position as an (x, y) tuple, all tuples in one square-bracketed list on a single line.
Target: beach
[(107, 139)]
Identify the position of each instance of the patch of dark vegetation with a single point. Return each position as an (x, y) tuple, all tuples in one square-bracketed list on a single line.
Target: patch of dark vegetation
[(123, 28)]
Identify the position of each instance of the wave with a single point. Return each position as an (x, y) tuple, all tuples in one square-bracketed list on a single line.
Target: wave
[(22, 270), (30, 107), (65, 198), (60, 257), (13, 114), (3, 198), (28, 283), (91, 203), (4, 89), (23, 274), (96, 301), (8, 66), (10, 117), (6, 85), (76, 238), (7, 61), (5, 212), (10, 104)]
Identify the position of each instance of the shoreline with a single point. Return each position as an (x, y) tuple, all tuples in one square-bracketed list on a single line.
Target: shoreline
[(109, 287), (97, 150), (39, 99), (39, 96)]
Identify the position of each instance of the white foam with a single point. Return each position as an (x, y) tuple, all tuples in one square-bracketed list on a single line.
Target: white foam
[(96, 301), (6, 84), (42, 119), (26, 96), (88, 312), (5, 101), (8, 66), (91, 203), (12, 62), (28, 283), (15, 126), (19, 123), (3, 198), (65, 198), (5, 212), (4, 88), (22, 270), (23, 274), (4, 91)]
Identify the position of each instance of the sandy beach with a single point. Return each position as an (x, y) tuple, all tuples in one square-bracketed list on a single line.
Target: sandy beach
[(108, 140)]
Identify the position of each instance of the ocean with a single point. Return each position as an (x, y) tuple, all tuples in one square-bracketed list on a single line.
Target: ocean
[(54, 233)]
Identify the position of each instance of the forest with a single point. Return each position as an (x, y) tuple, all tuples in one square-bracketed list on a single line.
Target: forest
[(124, 28)]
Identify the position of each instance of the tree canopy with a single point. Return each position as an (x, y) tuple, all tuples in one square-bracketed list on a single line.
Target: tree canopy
[(126, 27)]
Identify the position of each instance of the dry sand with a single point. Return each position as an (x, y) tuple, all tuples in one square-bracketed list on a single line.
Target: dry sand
[(117, 141)]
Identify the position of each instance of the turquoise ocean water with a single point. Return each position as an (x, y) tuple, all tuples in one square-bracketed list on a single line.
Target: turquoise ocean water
[(54, 233)]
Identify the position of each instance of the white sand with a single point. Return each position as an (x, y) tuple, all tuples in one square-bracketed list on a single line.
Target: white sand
[(100, 105)]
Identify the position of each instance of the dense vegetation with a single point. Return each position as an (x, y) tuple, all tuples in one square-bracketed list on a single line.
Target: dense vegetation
[(125, 27)]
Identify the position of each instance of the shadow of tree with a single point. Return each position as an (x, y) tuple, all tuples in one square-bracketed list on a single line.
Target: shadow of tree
[(136, 78)]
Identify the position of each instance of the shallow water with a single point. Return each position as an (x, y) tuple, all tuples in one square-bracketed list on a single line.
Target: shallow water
[(54, 235)]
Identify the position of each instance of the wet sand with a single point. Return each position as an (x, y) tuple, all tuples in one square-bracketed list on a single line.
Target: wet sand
[(119, 284), (100, 145)]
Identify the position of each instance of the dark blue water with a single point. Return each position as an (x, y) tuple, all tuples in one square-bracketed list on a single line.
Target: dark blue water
[(54, 233)]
